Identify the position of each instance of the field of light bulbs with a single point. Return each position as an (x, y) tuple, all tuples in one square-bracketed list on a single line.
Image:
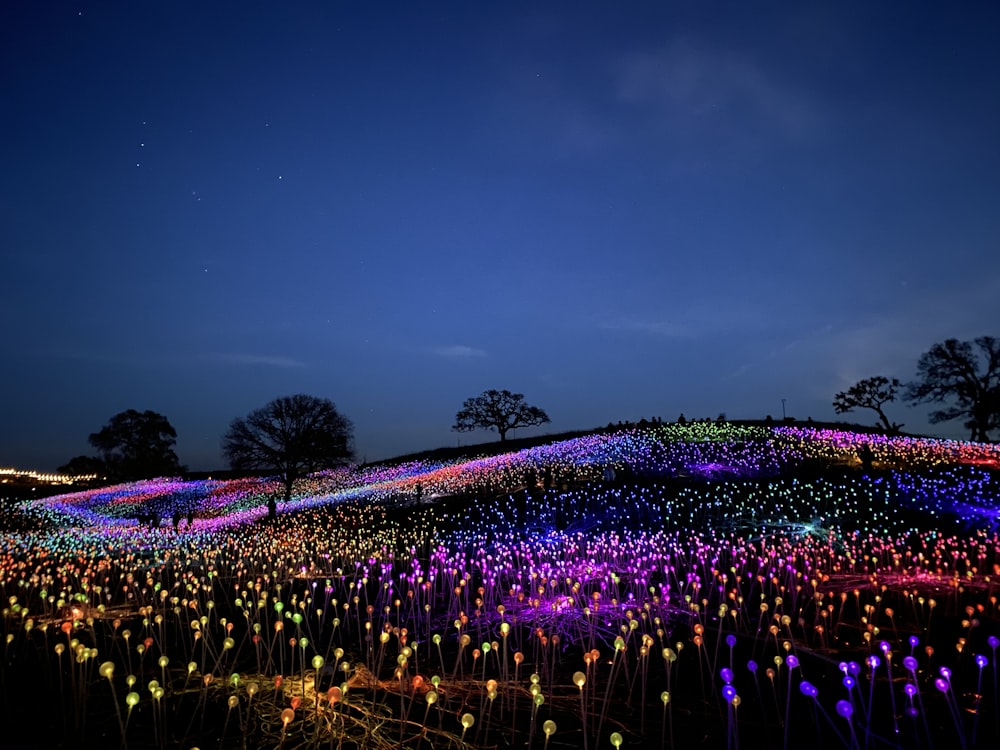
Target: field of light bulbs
[(672, 586)]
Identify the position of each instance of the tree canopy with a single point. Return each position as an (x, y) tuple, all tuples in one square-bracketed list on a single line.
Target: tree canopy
[(137, 445), (500, 411), (963, 376), (293, 436), (81, 466), (870, 393)]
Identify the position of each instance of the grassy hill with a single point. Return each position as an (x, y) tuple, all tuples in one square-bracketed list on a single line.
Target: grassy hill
[(389, 602)]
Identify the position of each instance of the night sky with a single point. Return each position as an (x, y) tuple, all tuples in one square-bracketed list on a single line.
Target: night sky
[(621, 210)]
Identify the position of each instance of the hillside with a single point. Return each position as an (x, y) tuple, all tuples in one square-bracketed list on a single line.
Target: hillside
[(643, 581)]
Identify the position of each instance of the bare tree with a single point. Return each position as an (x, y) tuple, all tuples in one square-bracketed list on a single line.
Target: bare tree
[(965, 380), (870, 393), (500, 411), (294, 436)]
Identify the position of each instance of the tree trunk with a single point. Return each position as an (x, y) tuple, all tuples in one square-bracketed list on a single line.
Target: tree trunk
[(980, 423), (503, 433)]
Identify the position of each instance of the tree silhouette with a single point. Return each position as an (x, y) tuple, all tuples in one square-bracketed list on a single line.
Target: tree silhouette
[(81, 466), (292, 435), (870, 393), (501, 411), (954, 371), (136, 445)]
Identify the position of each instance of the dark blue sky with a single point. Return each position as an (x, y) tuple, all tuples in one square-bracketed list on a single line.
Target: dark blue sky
[(619, 209)]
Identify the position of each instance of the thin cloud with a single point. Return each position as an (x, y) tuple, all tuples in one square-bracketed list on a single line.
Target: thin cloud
[(459, 352), (158, 359), (690, 319), (815, 341), (664, 328), (688, 83), (262, 360)]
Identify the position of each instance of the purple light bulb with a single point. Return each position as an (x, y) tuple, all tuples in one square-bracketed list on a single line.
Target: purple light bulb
[(993, 641), (845, 709), (914, 641), (981, 661), (849, 682), (941, 684), (910, 663), (854, 668), (945, 672), (727, 674), (910, 689), (728, 692), (752, 665), (807, 688), (792, 661), (730, 640)]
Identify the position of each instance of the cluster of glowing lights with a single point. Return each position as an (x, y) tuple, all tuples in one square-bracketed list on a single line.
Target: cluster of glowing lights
[(6, 474), (623, 544)]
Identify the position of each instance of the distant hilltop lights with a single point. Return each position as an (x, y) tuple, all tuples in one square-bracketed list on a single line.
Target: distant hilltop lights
[(7, 475)]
